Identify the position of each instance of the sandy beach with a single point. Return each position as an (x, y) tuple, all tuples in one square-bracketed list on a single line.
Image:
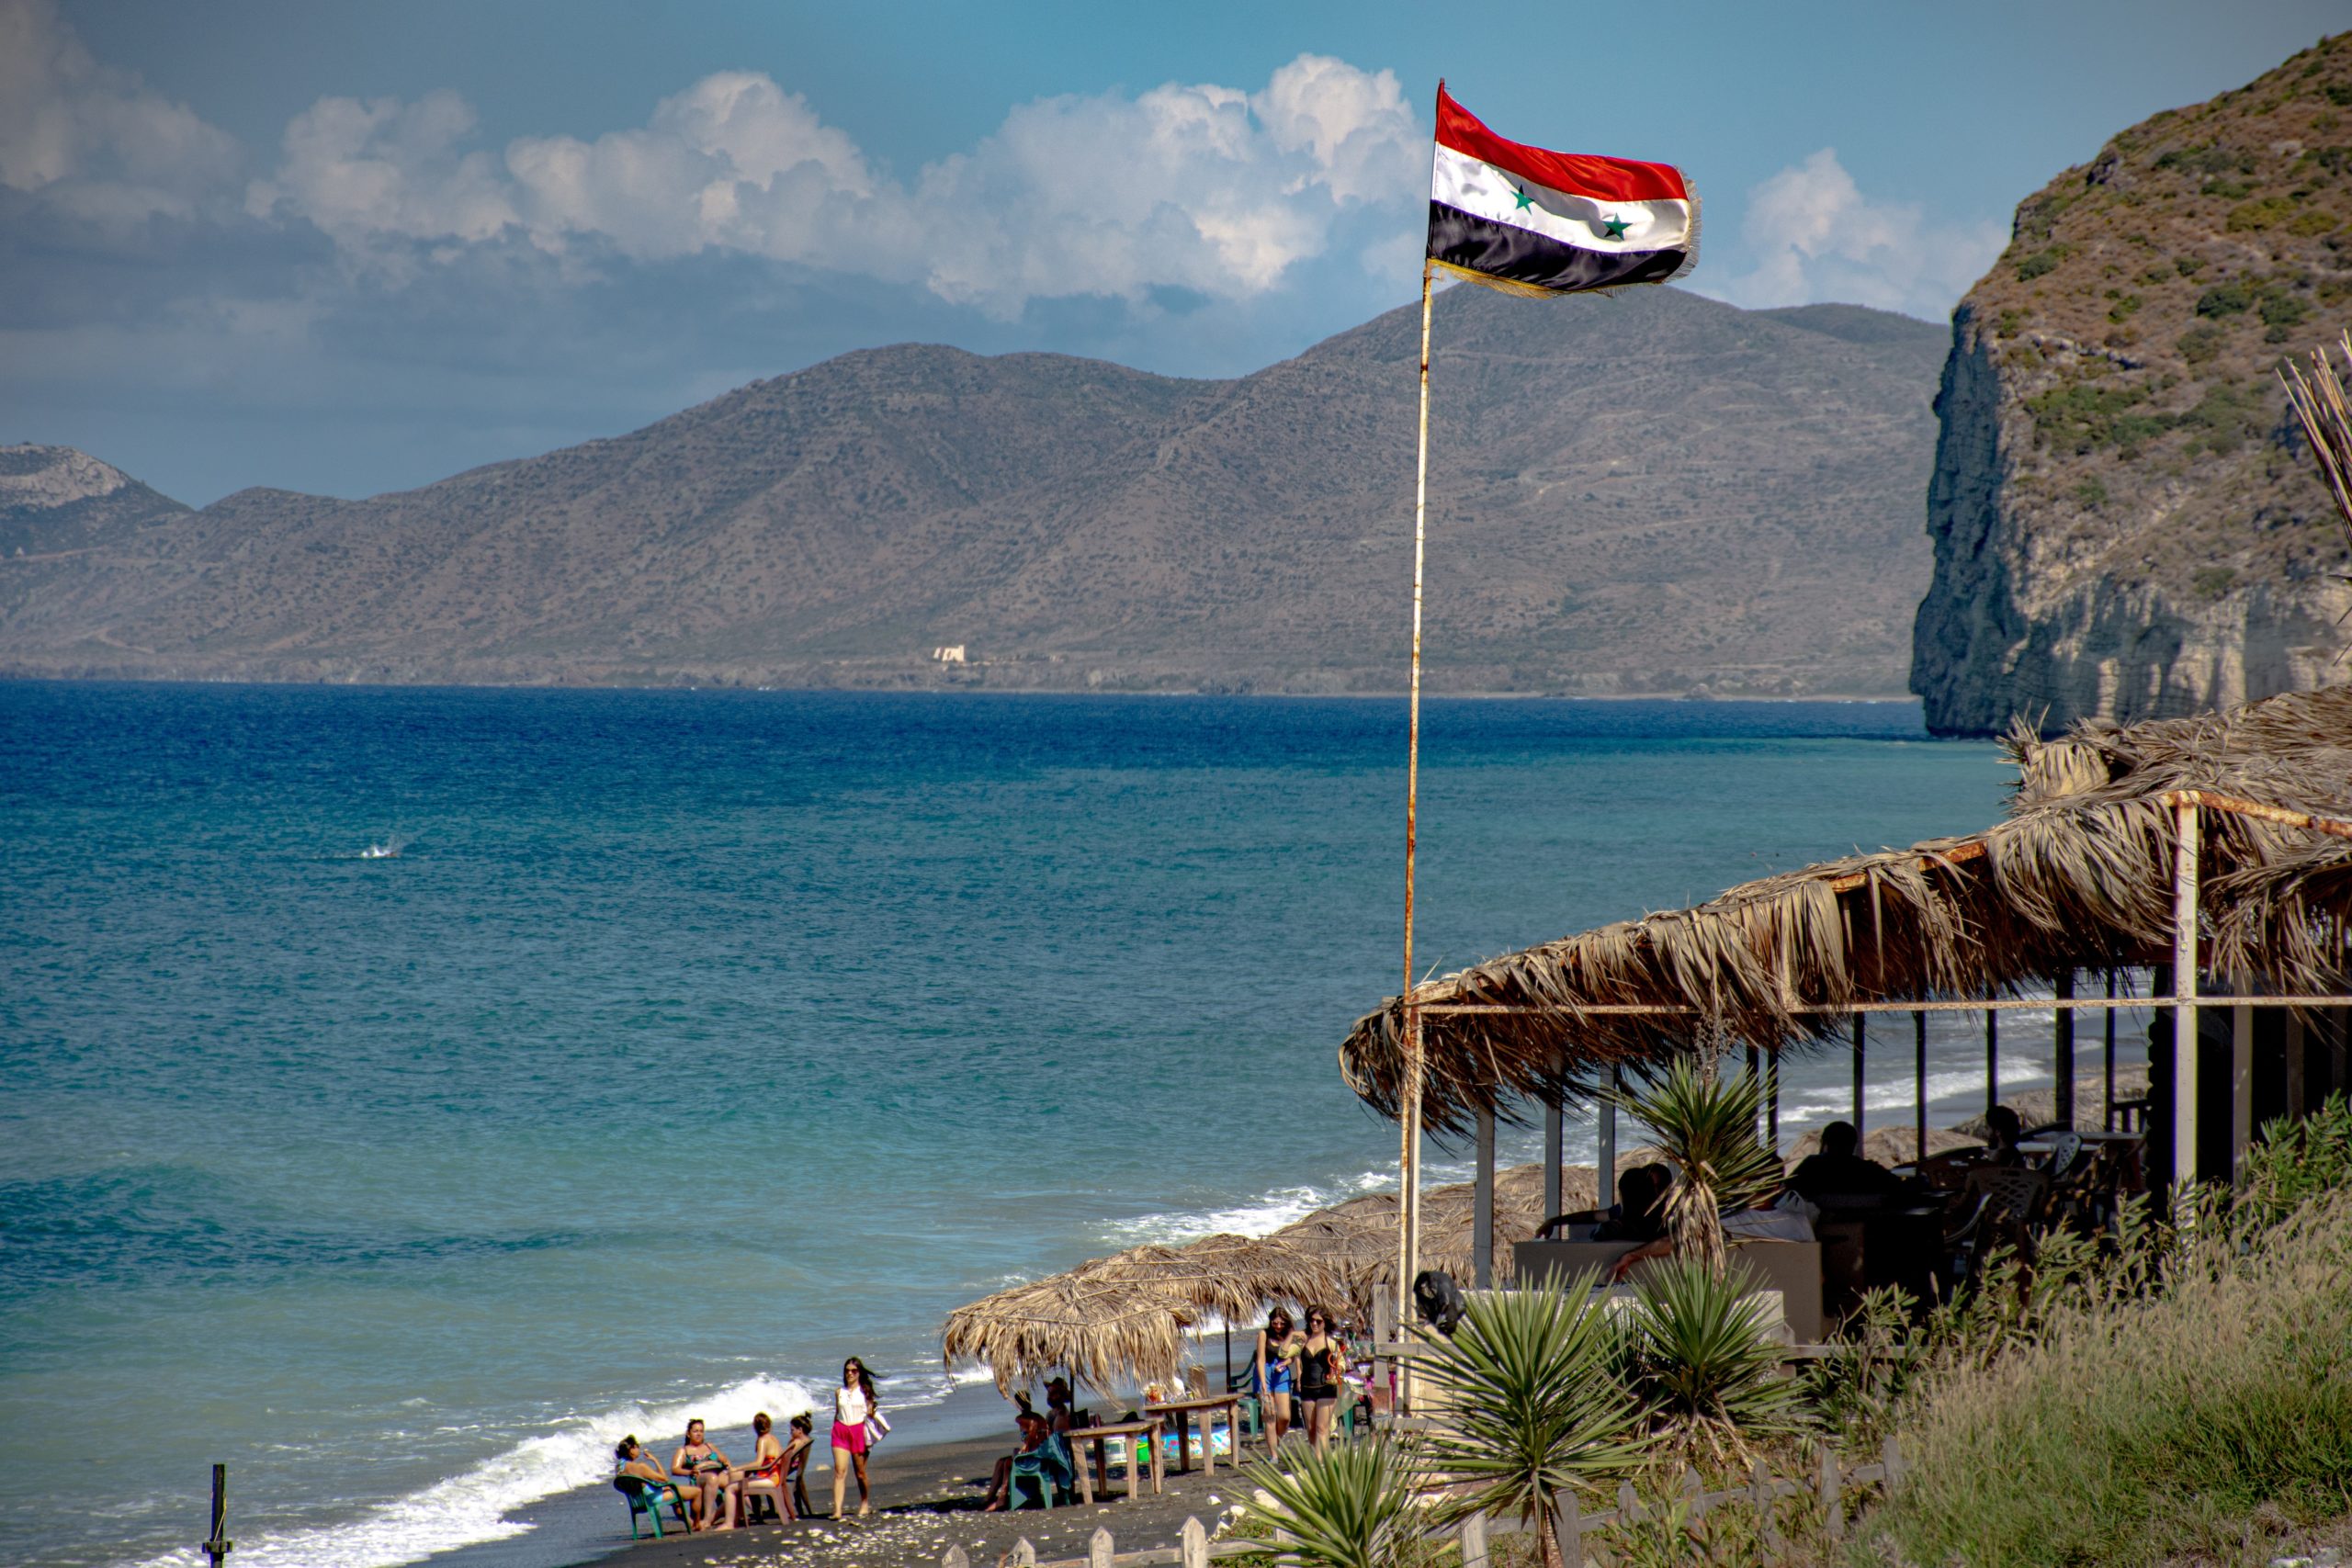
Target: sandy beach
[(926, 1500)]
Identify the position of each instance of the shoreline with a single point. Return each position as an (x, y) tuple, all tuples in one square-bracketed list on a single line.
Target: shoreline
[(927, 1494), (946, 688)]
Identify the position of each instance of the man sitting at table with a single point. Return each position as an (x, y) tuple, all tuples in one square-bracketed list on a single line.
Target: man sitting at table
[(1839, 1170)]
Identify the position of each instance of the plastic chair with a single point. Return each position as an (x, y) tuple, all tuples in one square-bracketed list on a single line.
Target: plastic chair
[(1050, 1467), (645, 1499)]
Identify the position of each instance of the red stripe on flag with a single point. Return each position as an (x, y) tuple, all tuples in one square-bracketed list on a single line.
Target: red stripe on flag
[(1577, 174)]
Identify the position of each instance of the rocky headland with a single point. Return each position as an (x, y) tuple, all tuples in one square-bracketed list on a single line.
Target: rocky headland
[(2126, 523)]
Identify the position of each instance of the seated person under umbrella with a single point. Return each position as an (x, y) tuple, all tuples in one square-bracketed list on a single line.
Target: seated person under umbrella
[(1637, 1215), (1839, 1170), (1036, 1435)]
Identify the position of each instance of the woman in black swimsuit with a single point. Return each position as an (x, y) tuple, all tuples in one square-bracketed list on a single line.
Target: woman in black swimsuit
[(1321, 1360)]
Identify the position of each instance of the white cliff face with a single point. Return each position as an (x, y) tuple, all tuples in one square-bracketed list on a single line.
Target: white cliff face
[(2045, 609), (46, 477)]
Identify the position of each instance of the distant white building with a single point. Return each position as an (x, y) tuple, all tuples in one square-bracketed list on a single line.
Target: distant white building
[(952, 654)]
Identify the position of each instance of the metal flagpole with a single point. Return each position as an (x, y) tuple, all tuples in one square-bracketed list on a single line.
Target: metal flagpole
[(1409, 1251)]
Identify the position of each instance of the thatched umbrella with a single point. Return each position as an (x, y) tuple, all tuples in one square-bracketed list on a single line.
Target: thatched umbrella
[(1123, 1316), (1101, 1331)]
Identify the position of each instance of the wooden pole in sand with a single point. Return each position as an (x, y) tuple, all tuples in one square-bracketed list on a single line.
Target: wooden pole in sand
[(1409, 1205), (2183, 995), (217, 1546)]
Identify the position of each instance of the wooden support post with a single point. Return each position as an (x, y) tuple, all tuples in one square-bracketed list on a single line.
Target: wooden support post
[(2240, 1083), (1992, 1054), (1193, 1544), (2106, 1107), (2339, 1037), (1604, 1174), (1482, 1239), (1629, 1507), (1569, 1527), (1772, 1098), (217, 1544), (2184, 991), (1860, 1038), (2064, 1064), (1832, 1508), (1890, 1461), (1553, 1151), (1919, 1094), (1098, 1545), (1474, 1542), (2298, 1089)]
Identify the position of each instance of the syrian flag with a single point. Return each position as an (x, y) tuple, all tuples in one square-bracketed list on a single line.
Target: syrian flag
[(1529, 222)]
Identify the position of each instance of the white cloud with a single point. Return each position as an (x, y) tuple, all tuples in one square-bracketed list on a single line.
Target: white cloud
[(93, 140), (1813, 236), (364, 170), (1202, 187)]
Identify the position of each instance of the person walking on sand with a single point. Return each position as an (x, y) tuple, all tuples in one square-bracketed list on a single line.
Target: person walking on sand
[(1277, 1343), (1322, 1360), (853, 1405), (707, 1469)]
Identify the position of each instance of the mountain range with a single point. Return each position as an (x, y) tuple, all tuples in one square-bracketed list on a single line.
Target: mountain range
[(1653, 492)]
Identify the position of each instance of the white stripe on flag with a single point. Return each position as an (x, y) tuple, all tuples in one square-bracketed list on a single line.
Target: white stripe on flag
[(1484, 191)]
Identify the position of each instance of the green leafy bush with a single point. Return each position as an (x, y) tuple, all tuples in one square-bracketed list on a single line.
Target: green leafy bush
[(2040, 262), (1696, 1353), (1534, 1405), (2267, 213), (2225, 300), (2296, 1162), (2213, 582), (1350, 1507), (2199, 344)]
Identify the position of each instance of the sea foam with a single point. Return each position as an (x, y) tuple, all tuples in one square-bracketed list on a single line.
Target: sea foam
[(470, 1507)]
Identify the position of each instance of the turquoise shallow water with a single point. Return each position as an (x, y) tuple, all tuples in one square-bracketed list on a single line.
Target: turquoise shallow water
[(693, 1040)]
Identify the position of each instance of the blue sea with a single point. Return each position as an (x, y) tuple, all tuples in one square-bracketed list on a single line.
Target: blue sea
[(690, 1041)]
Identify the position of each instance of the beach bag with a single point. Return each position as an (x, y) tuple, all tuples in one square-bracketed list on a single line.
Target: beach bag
[(877, 1427)]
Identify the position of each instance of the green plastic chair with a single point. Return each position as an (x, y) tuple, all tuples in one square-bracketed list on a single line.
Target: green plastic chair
[(645, 1500), (1051, 1468)]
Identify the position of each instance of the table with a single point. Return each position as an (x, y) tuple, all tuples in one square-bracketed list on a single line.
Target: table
[(1182, 1409), (1131, 1430)]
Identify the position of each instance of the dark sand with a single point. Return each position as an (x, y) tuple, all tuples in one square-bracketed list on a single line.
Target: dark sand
[(927, 1499)]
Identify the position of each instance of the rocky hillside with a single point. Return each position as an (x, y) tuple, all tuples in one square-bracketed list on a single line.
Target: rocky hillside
[(1648, 493), (2125, 520)]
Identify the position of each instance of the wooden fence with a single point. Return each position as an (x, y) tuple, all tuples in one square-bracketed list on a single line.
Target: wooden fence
[(1824, 1489)]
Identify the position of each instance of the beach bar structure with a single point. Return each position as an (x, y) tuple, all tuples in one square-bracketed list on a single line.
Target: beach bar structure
[(2213, 854)]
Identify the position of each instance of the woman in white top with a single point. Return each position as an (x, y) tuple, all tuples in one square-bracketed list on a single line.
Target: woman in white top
[(853, 1405)]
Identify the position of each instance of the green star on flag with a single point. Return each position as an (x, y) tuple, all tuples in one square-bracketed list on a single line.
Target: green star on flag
[(1518, 193), (1613, 226)]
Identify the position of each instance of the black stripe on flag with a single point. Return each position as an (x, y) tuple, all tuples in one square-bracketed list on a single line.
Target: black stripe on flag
[(1500, 250)]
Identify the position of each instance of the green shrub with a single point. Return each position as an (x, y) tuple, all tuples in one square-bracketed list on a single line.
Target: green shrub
[(2039, 263), (1535, 1405), (2282, 312), (2189, 266), (2225, 300), (1695, 1352), (2091, 491), (2127, 306), (2143, 1428), (2082, 418), (2229, 414), (2267, 213), (2314, 222), (2340, 95), (2199, 344), (2296, 1162), (1350, 1507)]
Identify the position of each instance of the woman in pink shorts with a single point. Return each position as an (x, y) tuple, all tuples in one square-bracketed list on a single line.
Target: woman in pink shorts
[(853, 1405)]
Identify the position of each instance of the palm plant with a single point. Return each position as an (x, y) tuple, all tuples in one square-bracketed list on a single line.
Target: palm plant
[(1529, 1404), (1695, 1347), (1705, 1127), (1350, 1507)]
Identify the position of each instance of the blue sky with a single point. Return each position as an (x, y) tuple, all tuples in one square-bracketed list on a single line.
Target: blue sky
[(349, 249)]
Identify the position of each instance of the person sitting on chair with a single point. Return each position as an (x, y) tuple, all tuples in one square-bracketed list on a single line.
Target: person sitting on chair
[(1640, 1213), (634, 1461), (2003, 1133), (1035, 1435), (1840, 1169)]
